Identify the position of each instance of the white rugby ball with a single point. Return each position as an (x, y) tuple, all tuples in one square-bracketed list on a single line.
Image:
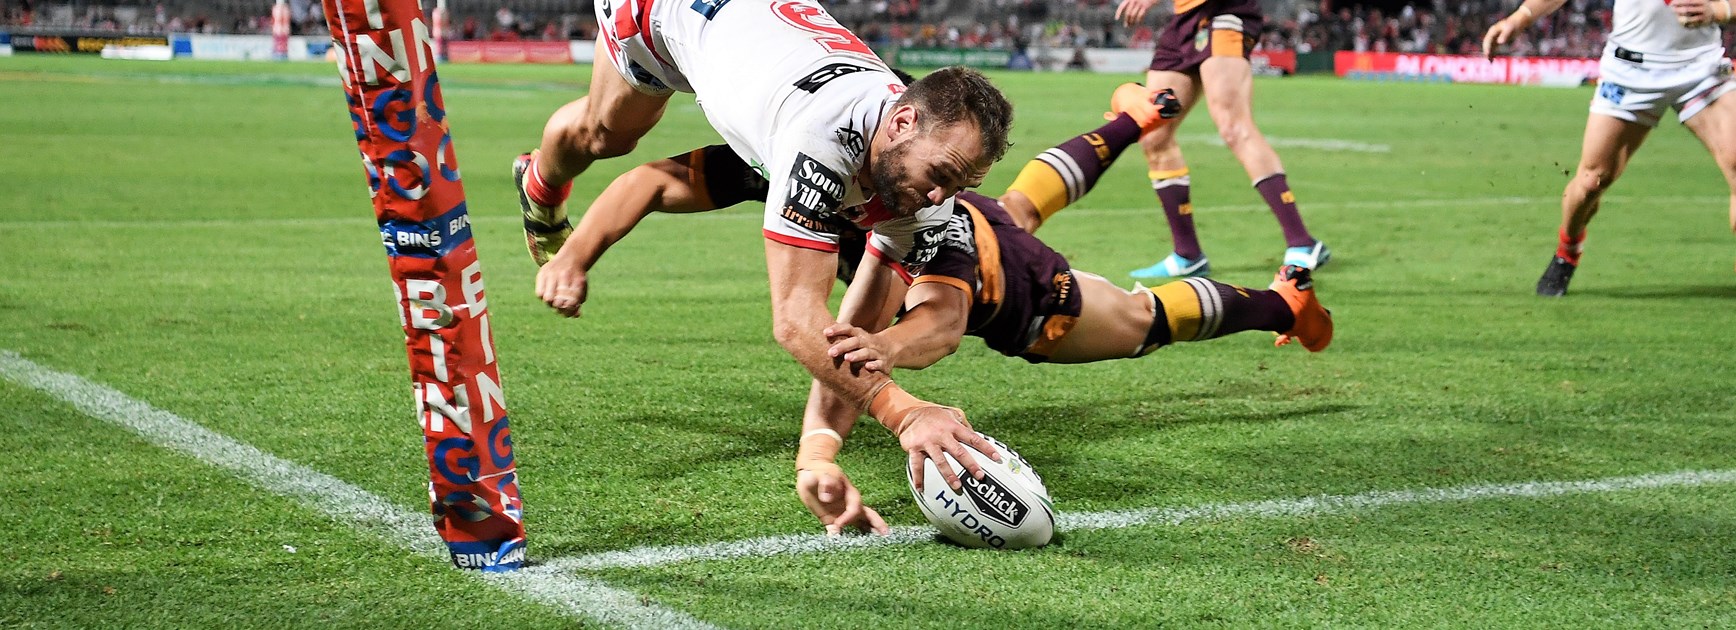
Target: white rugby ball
[(1007, 509)]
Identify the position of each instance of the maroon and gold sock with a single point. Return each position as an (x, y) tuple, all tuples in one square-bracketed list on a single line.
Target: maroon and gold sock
[(1063, 174), (1276, 191), (1197, 309), (1569, 248), (1173, 190)]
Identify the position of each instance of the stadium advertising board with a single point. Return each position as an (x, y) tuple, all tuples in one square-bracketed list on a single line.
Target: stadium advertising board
[(940, 57), (1469, 68), (77, 42), (509, 52)]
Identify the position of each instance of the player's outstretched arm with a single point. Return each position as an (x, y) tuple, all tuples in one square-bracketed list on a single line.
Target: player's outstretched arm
[(661, 186), (820, 483), (930, 330), (801, 282), (1503, 32)]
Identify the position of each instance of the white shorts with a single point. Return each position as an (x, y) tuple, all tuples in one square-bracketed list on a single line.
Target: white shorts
[(1643, 92), (633, 39)]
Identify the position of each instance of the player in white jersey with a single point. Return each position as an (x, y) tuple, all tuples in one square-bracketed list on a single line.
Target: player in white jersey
[(833, 130), (1660, 55)]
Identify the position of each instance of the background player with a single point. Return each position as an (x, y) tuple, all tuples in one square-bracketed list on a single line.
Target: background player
[(1659, 55), (1204, 49), (820, 117)]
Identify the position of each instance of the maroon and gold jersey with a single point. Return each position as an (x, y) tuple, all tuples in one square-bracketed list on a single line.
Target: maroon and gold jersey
[(1023, 295)]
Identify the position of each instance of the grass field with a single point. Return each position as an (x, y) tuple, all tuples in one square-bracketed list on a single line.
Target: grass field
[(197, 236)]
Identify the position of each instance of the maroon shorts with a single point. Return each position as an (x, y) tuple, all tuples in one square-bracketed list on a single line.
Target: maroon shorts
[(1026, 302), (1214, 28)]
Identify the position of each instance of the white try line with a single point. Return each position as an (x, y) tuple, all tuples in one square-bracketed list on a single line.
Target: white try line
[(1168, 516), (577, 596)]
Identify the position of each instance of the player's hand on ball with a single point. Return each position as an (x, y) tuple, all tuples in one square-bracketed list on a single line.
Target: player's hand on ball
[(1168, 104), (831, 497), (935, 431), (1132, 12), (863, 350), (1498, 36), (562, 287)]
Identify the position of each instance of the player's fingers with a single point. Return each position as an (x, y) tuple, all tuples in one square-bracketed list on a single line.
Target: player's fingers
[(916, 470), (828, 488), (877, 365), (937, 452), (877, 524), (833, 530), (971, 467), (1489, 43), (852, 513), (844, 346), (836, 330), (982, 445)]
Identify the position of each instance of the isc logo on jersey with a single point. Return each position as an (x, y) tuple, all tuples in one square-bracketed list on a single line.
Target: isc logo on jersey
[(1007, 509)]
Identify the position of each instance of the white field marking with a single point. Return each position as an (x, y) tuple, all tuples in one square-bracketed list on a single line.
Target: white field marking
[(1322, 144), (742, 213), (1170, 516), (577, 596)]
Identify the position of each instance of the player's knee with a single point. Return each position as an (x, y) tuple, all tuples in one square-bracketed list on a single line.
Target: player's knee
[(1594, 178), (1235, 132)]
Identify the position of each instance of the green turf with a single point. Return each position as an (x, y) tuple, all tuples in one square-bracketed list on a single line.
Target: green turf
[(198, 236)]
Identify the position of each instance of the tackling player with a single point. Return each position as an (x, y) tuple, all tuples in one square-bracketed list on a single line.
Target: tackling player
[(1204, 49), (818, 115), (1660, 55)]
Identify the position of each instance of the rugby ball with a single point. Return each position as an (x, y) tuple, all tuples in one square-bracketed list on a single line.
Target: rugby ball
[(1007, 509)]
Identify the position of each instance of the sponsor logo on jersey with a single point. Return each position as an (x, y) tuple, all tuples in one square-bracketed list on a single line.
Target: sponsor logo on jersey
[(994, 500), (708, 8), (959, 233), (815, 193), (851, 140), (819, 78), (925, 244)]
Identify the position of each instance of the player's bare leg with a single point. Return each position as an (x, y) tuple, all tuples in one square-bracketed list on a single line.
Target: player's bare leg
[(1609, 143), (1716, 127), (1169, 179), (1229, 90), (607, 122)]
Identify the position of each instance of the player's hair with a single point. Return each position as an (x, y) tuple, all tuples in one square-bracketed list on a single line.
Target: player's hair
[(904, 77), (953, 94)]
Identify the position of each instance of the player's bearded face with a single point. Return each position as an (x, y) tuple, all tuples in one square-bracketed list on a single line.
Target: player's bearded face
[(925, 169), (892, 180)]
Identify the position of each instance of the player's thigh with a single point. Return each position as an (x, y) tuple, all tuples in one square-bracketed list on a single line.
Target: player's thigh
[(1229, 89), (1608, 145), (1113, 322), (1716, 127), (614, 107)]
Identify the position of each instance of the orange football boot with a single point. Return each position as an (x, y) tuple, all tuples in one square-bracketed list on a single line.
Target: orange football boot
[(1150, 108), (1313, 325)]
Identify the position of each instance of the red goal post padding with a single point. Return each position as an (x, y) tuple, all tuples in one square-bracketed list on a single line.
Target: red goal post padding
[(386, 57)]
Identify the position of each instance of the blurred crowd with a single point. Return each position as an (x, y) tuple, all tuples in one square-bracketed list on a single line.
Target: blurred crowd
[(1436, 26)]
